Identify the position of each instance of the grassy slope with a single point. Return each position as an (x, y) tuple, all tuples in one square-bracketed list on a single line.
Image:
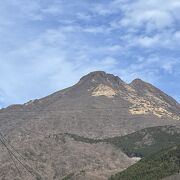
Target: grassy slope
[(156, 166)]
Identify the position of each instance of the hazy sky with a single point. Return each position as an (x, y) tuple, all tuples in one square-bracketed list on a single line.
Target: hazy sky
[(47, 45)]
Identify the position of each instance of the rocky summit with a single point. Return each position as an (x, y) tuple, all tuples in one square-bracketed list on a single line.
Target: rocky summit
[(99, 106)]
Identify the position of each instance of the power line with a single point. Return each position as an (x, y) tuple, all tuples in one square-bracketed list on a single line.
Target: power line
[(12, 147), (14, 155), (11, 157)]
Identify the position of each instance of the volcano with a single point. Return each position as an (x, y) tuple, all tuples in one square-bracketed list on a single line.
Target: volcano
[(99, 106)]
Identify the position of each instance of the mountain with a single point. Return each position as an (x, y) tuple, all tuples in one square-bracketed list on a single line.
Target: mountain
[(99, 106)]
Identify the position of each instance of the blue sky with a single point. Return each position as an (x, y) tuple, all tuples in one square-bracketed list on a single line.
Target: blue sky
[(47, 45)]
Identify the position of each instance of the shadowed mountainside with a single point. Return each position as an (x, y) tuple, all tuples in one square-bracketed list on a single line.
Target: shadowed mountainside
[(156, 166)]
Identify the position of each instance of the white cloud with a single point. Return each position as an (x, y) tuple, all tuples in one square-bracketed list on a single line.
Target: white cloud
[(152, 19), (148, 41), (84, 16), (46, 61), (94, 30), (150, 68), (44, 42), (153, 14), (170, 65)]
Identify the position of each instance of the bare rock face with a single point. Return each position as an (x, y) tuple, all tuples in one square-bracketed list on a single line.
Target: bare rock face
[(152, 100), (103, 90), (100, 105)]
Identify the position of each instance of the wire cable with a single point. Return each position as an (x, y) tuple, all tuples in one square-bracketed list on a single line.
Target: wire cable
[(24, 166), (11, 157), (13, 147)]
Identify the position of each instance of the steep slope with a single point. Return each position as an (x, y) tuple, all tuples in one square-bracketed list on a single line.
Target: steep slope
[(100, 105), (156, 166), (160, 103)]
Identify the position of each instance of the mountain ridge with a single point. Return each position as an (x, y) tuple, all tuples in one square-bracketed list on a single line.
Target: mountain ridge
[(101, 77)]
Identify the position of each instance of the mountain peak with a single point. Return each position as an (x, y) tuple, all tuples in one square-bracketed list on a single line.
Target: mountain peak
[(146, 89), (137, 82), (101, 77), (95, 74), (142, 86)]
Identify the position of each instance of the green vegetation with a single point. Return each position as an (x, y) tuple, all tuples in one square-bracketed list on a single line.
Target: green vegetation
[(147, 141), (86, 140), (156, 166), (154, 145), (141, 143)]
